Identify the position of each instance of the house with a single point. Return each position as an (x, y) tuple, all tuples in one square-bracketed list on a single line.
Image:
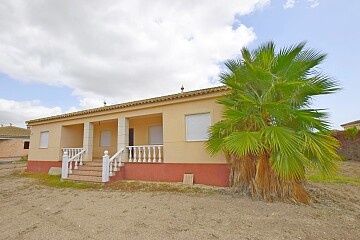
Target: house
[(351, 124), (14, 142), (156, 139)]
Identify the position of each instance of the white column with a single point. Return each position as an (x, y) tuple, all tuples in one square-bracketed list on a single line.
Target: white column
[(123, 137), (105, 167), (65, 166), (88, 141)]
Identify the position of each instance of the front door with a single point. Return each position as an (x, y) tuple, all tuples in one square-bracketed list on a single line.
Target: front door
[(131, 140), (131, 137)]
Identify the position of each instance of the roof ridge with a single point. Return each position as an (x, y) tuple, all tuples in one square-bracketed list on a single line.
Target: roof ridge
[(134, 103)]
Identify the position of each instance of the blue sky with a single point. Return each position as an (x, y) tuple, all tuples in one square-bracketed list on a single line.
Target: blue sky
[(330, 27), (57, 57)]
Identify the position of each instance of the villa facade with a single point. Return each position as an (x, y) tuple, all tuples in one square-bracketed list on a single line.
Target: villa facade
[(14, 142), (157, 139)]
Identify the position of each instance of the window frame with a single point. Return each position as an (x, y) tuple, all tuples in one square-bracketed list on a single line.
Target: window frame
[(26, 144)]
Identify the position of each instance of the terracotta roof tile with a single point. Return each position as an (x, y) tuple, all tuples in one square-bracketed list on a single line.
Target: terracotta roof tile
[(13, 132), (135, 103), (350, 123)]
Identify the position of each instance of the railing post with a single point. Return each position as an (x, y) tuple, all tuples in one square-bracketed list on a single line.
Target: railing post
[(144, 153), (154, 153), (105, 167), (65, 165), (81, 159), (135, 154), (159, 148), (76, 160), (120, 158), (130, 154), (115, 165), (149, 153)]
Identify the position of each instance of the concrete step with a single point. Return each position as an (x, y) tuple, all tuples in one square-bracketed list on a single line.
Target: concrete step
[(90, 168), (84, 178), (94, 163), (86, 172)]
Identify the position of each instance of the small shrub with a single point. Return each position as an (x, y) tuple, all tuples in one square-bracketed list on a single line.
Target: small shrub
[(352, 133)]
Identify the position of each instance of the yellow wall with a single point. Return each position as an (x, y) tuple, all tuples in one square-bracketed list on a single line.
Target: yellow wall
[(53, 152), (72, 136), (141, 127), (176, 148), (98, 151), (171, 114)]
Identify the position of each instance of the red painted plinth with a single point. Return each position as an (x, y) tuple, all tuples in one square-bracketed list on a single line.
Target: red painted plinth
[(209, 174), (41, 166)]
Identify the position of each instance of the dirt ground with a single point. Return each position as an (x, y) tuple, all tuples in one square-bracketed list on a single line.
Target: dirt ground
[(29, 210)]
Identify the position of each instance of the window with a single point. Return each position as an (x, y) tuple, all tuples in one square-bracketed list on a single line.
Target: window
[(156, 135), (44, 139), (105, 139), (197, 126), (26, 144)]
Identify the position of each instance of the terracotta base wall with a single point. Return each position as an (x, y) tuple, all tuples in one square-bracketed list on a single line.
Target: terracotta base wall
[(209, 174), (41, 166)]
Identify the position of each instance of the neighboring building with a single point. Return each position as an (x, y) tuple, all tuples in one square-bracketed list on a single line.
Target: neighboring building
[(158, 139), (351, 124), (14, 142)]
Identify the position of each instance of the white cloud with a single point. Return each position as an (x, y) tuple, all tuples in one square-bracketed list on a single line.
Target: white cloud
[(117, 50), (313, 3), (16, 113), (289, 4)]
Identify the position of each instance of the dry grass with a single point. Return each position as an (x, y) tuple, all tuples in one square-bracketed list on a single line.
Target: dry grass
[(349, 173), (56, 182), (158, 187), (126, 186), (334, 179)]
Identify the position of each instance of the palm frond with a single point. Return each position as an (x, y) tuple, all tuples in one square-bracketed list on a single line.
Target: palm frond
[(285, 58), (321, 150), (242, 144), (284, 146)]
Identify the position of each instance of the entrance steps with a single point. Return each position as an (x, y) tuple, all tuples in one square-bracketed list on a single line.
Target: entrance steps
[(88, 172)]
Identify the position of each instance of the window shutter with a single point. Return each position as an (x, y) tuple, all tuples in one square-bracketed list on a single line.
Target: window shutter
[(156, 135), (105, 139), (44, 139), (197, 126)]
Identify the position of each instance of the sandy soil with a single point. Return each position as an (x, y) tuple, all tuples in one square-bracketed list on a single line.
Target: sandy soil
[(29, 210)]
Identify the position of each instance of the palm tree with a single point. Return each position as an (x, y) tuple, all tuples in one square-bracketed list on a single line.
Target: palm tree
[(269, 134)]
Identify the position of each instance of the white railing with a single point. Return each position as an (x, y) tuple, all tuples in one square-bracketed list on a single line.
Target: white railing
[(111, 165), (146, 153), (71, 156), (72, 152)]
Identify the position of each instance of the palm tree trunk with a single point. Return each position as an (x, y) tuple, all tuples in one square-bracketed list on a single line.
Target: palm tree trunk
[(256, 178), (265, 179), (242, 173)]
